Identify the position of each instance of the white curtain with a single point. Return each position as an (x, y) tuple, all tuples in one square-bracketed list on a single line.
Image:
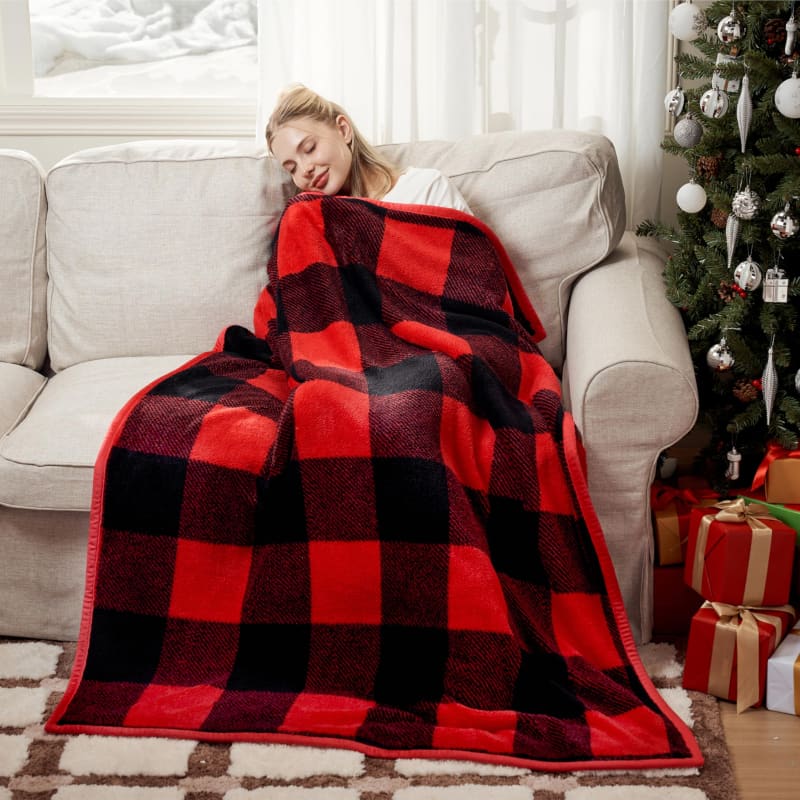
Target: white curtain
[(445, 69)]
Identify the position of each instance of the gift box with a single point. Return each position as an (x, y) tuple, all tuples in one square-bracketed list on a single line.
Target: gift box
[(736, 555), (783, 675), (728, 650), (671, 509), (779, 474)]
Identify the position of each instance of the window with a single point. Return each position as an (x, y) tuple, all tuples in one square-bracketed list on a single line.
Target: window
[(139, 67)]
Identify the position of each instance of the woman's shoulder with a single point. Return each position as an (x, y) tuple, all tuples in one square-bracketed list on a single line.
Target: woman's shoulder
[(427, 186)]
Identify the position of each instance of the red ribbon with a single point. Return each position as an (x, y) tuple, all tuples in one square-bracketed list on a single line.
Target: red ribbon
[(661, 496), (774, 451)]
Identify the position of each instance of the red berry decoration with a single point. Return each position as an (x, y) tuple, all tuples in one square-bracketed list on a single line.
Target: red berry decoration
[(757, 383)]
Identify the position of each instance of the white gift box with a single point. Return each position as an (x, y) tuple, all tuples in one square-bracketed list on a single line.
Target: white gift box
[(783, 675)]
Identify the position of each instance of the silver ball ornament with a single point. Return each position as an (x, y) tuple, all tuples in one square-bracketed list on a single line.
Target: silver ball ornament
[(745, 204), (784, 225), (688, 131), (731, 29), (714, 103), (719, 357), (748, 275)]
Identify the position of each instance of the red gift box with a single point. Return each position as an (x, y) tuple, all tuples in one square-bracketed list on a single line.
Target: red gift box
[(779, 474), (671, 508), (736, 556), (728, 650)]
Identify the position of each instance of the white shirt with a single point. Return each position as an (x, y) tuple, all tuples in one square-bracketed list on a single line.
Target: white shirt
[(426, 187)]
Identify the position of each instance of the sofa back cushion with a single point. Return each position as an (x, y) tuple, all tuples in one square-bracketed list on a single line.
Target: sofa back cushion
[(23, 270), (554, 198), (154, 247)]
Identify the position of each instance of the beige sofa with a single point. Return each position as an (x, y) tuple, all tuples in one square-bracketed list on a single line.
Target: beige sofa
[(122, 262)]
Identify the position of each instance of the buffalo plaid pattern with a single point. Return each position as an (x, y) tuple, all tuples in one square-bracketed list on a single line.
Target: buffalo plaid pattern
[(360, 525)]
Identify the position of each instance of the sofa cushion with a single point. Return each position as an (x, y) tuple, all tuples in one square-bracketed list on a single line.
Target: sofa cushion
[(20, 387), (22, 260), (154, 247), (554, 198), (47, 459)]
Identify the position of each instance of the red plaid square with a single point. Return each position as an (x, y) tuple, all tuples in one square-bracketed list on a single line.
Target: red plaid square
[(235, 438), (345, 582), (335, 346), (638, 732), (331, 421), (295, 253), (475, 598), (534, 376), (421, 262), (581, 628), (467, 444), (554, 494), (210, 581), (460, 727), (334, 715), (180, 707)]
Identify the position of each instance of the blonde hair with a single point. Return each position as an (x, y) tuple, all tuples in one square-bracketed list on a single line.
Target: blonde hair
[(369, 166)]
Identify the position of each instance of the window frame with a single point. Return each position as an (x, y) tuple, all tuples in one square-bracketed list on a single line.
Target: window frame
[(23, 114)]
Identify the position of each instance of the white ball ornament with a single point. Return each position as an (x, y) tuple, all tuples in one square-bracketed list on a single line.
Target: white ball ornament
[(691, 197), (787, 97), (746, 203), (687, 22)]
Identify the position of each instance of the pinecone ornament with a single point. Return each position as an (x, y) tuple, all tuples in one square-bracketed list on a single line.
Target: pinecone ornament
[(744, 391), (719, 216), (775, 34), (708, 166), (727, 291)]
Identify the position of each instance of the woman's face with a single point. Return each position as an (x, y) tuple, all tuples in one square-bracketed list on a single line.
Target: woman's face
[(316, 154)]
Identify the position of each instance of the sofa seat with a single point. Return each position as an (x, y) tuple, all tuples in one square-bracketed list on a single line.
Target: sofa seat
[(47, 458)]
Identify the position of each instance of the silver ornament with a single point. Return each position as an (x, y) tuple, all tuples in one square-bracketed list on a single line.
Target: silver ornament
[(776, 286), (797, 381), (674, 102), (734, 459), (783, 224), (745, 204), (714, 103), (731, 28), (688, 131), (744, 111), (732, 228), (748, 275), (769, 384), (719, 356)]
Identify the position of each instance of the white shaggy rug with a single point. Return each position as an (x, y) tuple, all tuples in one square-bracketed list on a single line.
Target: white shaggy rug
[(37, 766)]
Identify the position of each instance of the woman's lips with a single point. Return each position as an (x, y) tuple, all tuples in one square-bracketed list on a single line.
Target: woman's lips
[(320, 181)]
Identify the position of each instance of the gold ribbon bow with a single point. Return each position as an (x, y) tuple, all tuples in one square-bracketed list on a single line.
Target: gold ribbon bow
[(736, 634), (758, 562)]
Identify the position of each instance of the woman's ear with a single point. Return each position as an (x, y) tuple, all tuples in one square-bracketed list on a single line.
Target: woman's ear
[(345, 128)]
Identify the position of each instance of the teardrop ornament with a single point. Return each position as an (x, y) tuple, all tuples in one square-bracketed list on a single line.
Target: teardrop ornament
[(769, 384), (744, 111), (732, 227)]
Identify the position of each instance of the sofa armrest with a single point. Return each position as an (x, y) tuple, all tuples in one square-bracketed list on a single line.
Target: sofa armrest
[(629, 383), (18, 388)]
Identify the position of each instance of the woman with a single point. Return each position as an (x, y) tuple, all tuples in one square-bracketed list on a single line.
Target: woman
[(317, 143)]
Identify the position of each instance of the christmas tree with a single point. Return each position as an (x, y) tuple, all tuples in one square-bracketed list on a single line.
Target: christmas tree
[(733, 271)]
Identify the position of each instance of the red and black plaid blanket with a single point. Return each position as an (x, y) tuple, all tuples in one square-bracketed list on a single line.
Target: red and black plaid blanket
[(365, 524)]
